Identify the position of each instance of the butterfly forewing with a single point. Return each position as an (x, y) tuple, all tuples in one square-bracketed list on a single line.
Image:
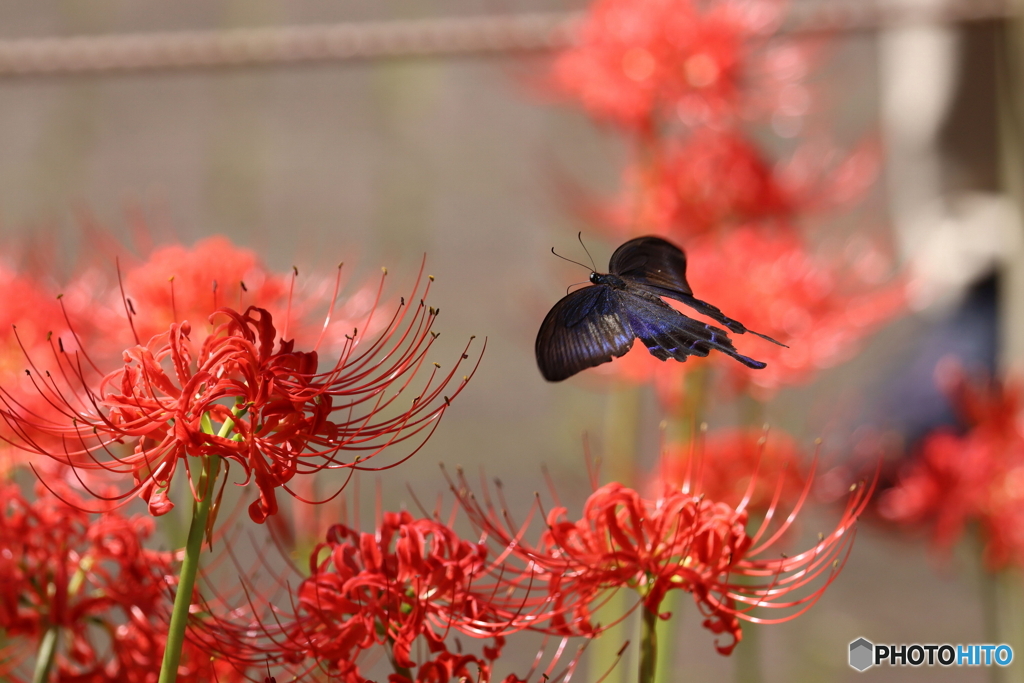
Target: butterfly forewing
[(582, 330)]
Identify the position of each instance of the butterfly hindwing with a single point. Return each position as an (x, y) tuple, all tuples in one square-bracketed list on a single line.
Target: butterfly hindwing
[(667, 333), (715, 313), (659, 267), (584, 329)]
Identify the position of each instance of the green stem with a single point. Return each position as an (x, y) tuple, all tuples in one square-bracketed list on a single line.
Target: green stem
[(665, 671), (694, 406), (622, 416), (189, 570), (752, 411), (400, 670), (648, 646), (990, 601), (50, 643), (602, 657), (748, 655), (193, 549), (47, 654), (993, 594), (622, 419)]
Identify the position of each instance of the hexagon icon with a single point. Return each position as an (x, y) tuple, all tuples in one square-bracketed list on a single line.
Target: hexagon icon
[(861, 654)]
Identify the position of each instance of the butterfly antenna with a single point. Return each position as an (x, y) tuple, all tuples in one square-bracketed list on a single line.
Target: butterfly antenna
[(579, 236), (584, 265)]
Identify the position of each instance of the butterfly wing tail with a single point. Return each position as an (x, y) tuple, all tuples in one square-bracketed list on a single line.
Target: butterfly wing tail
[(715, 313), (748, 361)]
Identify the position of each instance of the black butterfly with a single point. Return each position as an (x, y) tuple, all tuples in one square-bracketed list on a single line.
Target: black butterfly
[(593, 324)]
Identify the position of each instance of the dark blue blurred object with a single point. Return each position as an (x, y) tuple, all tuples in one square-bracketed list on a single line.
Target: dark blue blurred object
[(910, 400)]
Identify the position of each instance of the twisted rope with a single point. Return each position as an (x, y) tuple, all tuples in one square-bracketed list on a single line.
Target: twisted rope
[(438, 38), (287, 45)]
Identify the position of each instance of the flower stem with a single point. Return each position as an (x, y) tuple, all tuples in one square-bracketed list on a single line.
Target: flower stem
[(47, 654), (752, 411), (622, 426), (648, 646), (991, 597), (602, 658), (50, 643), (189, 569), (666, 635), (621, 429), (748, 655), (400, 670), (990, 612)]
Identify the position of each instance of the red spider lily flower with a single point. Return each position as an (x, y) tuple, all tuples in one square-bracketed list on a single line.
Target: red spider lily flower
[(725, 464), (455, 668), (679, 540), (413, 582), (90, 577), (976, 476), (413, 578), (249, 396), (636, 62), (711, 181), (447, 666)]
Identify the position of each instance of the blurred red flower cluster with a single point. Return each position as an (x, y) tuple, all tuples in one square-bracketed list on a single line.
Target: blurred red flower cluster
[(704, 183), (973, 477), (738, 466), (819, 307), (639, 62)]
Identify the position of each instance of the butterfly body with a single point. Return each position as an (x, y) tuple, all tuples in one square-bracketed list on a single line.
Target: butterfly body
[(595, 324), (608, 279)]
